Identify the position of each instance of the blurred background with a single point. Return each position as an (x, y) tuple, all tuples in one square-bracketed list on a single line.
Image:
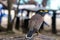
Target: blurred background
[(14, 18)]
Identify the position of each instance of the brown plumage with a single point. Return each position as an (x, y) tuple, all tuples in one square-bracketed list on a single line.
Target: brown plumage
[(34, 25), (35, 22)]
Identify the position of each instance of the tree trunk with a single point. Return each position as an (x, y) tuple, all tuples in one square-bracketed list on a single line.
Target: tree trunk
[(9, 26)]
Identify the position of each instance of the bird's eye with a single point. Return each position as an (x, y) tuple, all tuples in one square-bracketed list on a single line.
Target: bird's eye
[(41, 10), (45, 10)]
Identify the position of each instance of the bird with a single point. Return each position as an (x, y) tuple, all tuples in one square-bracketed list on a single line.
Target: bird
[(34, 25)]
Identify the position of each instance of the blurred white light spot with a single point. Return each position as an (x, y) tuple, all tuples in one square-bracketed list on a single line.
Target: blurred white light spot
[(2, 11), (15, 6), (58, 11), (12, 13), (6, 12), (1, 5), (19, 14), (24, 14), (51, 13)]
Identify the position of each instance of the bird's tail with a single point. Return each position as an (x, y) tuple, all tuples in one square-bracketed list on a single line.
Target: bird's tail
[(30, 33)]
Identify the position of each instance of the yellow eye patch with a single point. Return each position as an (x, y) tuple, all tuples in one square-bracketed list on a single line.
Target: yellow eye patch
[(45, 10), (41, 10)]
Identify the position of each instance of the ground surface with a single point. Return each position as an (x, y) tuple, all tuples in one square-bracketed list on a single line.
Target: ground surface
[(22, 37)]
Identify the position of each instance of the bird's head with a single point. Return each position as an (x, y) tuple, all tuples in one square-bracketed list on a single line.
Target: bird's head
[(42, 12)]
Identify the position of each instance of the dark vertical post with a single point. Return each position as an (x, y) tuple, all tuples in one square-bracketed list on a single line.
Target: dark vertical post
[(54, 22), (17, 23), (26, 22), (18, 18)]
